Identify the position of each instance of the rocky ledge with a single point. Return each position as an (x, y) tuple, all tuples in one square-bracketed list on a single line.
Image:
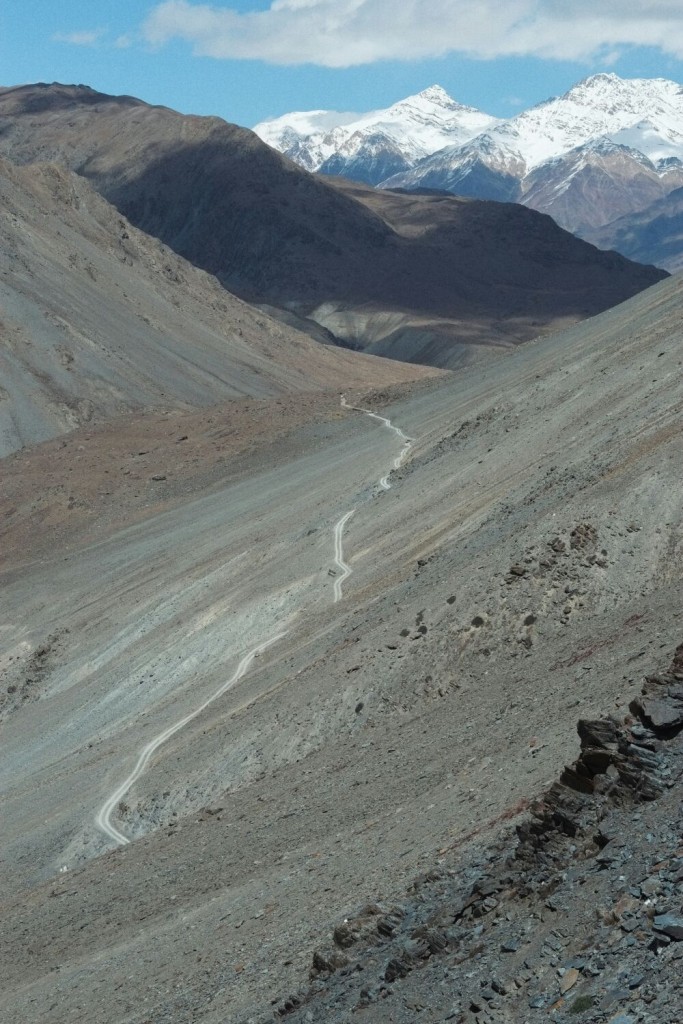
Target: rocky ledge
[(576, 914)]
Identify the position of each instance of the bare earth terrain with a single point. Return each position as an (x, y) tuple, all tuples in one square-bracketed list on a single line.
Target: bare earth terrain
[(99, 319), (523, 570)]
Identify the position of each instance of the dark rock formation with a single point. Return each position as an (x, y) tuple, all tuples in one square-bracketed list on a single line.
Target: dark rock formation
[(580, 915)]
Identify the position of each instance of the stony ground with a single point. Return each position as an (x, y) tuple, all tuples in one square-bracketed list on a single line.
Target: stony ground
[(523, 572), (575, 916)]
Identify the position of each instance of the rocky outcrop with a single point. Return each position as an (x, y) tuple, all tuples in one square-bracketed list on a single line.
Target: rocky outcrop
[(579, 920), (660, 706)]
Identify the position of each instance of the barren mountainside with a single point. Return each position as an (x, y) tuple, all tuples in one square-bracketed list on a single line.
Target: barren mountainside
[(100, 319), (296, 641), (652, 235), (305, 758), (271, 232)]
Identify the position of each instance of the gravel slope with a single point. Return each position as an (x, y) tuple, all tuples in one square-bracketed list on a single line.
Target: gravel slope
[(523, 570)]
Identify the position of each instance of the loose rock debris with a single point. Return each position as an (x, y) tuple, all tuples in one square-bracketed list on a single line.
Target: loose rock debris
[(576, 917)]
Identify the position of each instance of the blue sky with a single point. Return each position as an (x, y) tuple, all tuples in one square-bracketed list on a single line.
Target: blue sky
[(246, 60)]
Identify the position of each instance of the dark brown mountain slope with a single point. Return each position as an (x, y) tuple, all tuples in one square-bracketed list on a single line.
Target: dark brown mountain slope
[(99, 319), (594, 184), (272, 232), (654, 234)]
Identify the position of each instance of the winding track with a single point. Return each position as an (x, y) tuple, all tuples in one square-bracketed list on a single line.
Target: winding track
[(384, 484), (339, 554), (407, 441), (103, 818)]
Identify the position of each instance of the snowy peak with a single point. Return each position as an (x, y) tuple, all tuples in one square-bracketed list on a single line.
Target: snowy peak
[(600, 105), (435, 94), (606, 148), (609, 90), (410, 130), (434, 100), (643, 115)]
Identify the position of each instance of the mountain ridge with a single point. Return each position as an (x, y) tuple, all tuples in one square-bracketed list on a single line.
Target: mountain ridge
[(522, 158), (416, 127), (275, 234), (100, 320)]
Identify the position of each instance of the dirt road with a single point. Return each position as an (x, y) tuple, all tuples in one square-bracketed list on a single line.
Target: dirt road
[(528, 549)]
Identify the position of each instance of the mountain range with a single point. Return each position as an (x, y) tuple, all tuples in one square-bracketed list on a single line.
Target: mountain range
[(606, 149), (423, 278), (372, 146)]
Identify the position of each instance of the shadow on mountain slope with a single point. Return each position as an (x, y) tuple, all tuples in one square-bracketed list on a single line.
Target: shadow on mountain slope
[(273, 233)]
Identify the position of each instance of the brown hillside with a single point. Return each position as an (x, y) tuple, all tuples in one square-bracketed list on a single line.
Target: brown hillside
[(99, 319), (482, 272)]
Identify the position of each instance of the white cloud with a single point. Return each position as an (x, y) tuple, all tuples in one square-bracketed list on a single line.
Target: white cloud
[(341, 33), (87, 37)]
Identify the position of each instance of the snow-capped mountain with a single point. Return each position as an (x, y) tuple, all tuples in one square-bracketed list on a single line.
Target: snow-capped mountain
[(370, 147), (644, 114), (608, 148), (598, 182)]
